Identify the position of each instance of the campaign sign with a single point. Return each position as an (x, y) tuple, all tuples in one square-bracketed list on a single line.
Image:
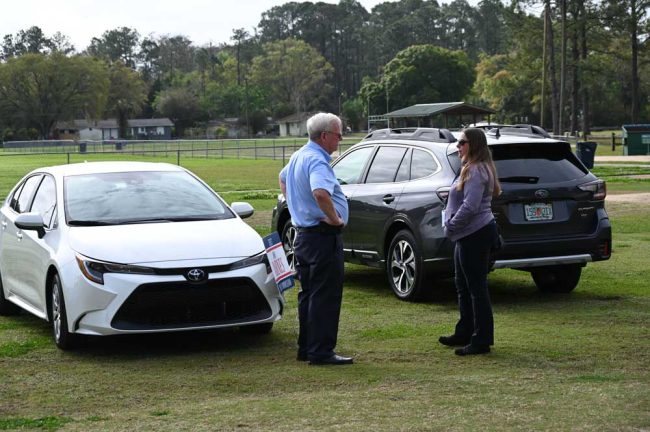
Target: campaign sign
[(279, 266)]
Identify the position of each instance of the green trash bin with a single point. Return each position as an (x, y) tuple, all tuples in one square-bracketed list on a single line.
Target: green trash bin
[(82, 147), (636, 139), (586, 151)]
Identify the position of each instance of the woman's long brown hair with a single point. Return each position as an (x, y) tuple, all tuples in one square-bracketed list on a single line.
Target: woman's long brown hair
[(478, 153)]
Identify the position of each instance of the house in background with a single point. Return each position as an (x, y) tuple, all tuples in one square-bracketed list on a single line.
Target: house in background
[(295, 124), (103, 130)]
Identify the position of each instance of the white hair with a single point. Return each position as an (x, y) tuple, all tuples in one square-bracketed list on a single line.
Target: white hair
[(322, 122)]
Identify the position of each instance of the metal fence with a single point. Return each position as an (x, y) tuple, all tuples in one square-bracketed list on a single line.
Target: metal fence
[(278, 152)]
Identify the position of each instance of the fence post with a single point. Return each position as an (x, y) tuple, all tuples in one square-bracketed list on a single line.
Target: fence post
[(283, 147), (178, 157), (68, 158), (613, 141)]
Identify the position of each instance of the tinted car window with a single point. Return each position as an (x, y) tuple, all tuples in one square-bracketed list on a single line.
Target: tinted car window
[(348, 170), (404, 168), (384, 165), (22, 202), (45, 200), (536, 163), (139, 196), (422, 164)]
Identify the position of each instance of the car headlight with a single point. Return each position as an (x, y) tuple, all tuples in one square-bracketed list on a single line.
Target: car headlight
[(251, 261), (94, 270)]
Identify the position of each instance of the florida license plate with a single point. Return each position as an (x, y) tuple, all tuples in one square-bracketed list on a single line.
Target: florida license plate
[(538, 211)]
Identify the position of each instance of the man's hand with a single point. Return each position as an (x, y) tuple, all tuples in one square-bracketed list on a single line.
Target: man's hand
[(324, 201)]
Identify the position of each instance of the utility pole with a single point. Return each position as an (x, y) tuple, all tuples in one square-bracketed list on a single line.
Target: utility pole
[(541, 109), (387, 110), (368, 113)]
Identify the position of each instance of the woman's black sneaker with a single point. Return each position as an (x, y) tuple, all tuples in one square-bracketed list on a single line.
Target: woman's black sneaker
[(453, 340)]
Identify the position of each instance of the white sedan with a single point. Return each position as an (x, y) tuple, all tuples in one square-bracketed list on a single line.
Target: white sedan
[(126, 247)]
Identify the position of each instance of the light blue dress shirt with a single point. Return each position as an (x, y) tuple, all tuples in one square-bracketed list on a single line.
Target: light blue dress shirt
[(309, 169)]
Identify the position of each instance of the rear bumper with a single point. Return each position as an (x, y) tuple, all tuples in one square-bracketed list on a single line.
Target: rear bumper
[(542, 261), (557, 251)]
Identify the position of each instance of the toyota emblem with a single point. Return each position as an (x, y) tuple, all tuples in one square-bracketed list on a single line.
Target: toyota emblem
[(195, 275), (541, 193)]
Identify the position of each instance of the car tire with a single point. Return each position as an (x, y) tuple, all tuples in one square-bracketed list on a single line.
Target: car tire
[(257, 329), (7, 308), (405, 268), (557, 279), (59, 318), (288, 239)]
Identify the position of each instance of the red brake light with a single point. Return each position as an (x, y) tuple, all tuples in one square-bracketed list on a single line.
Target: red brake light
[(597, 187)]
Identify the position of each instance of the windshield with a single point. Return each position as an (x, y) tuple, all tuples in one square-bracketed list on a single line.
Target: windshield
[(139, 197)]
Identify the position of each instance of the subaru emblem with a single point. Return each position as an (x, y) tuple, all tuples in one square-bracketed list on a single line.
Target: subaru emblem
[(195, 275), (541, 193)]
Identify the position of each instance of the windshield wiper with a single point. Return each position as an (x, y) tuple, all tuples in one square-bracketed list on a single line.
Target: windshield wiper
[(89, 223), (166, 219)]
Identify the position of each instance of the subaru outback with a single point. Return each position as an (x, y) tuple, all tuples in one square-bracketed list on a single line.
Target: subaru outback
[(551, 212)]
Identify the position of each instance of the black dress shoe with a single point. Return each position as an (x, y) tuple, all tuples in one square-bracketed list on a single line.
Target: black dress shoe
[(472, 349), (301, 357), (453, 340), (335, 359)]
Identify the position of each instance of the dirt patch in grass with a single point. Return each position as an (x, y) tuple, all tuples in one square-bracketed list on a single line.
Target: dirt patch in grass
[(643, 197)]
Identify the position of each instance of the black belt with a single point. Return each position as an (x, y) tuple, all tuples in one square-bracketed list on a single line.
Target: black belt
[(322, 228)]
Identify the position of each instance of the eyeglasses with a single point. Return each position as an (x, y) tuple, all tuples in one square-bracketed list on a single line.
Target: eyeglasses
[(340, 136), (461, 143)]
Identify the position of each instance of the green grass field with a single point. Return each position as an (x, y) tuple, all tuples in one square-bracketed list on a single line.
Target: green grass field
[(578, 361)]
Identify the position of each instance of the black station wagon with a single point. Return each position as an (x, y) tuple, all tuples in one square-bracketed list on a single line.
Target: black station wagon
[(551, 212)]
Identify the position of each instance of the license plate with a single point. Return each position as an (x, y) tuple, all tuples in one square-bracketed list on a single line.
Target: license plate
[(538, 211)]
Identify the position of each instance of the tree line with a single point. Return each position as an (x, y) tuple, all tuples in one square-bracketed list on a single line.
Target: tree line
[(565, 64)]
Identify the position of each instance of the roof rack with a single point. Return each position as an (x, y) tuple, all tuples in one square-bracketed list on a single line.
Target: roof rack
[(528, 130), (421, 134)]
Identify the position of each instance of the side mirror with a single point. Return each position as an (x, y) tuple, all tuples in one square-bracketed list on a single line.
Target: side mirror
[(31, 221), (243, 209)]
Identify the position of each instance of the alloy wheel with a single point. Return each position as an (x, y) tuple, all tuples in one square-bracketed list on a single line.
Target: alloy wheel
[(403, 267), (56, 310)]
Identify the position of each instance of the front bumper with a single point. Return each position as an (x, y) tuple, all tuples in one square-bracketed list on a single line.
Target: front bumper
[(132, 303)]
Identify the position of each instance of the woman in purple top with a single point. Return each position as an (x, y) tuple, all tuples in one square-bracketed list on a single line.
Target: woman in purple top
[(469, 222)]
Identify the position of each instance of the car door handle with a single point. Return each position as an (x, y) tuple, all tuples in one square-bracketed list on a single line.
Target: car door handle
[(19, 235), (388, 199), (4, 224), (347, 198)]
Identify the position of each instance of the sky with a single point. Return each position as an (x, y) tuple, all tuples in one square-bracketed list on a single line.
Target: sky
[(202, 21)]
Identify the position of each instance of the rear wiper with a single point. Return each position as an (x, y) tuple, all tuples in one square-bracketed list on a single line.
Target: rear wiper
[(519, 179)]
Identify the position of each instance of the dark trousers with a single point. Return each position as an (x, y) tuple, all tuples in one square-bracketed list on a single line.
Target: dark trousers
[(319, 263), (472, 261)]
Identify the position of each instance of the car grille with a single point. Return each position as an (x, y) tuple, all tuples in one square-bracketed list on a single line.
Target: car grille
[(183, 304)]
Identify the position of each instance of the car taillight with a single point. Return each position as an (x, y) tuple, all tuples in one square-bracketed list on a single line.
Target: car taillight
[(597, 187), (605, 249)]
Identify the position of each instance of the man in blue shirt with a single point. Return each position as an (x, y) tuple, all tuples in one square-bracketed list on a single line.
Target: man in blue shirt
[(319, 211)]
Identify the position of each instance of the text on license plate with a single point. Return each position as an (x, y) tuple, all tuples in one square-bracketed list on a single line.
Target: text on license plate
[(538, 211)]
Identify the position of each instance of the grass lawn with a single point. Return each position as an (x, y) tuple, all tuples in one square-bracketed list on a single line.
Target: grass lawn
[(578, 361)]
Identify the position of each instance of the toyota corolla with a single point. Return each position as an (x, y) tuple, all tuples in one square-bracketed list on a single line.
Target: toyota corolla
[(125, 247)]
